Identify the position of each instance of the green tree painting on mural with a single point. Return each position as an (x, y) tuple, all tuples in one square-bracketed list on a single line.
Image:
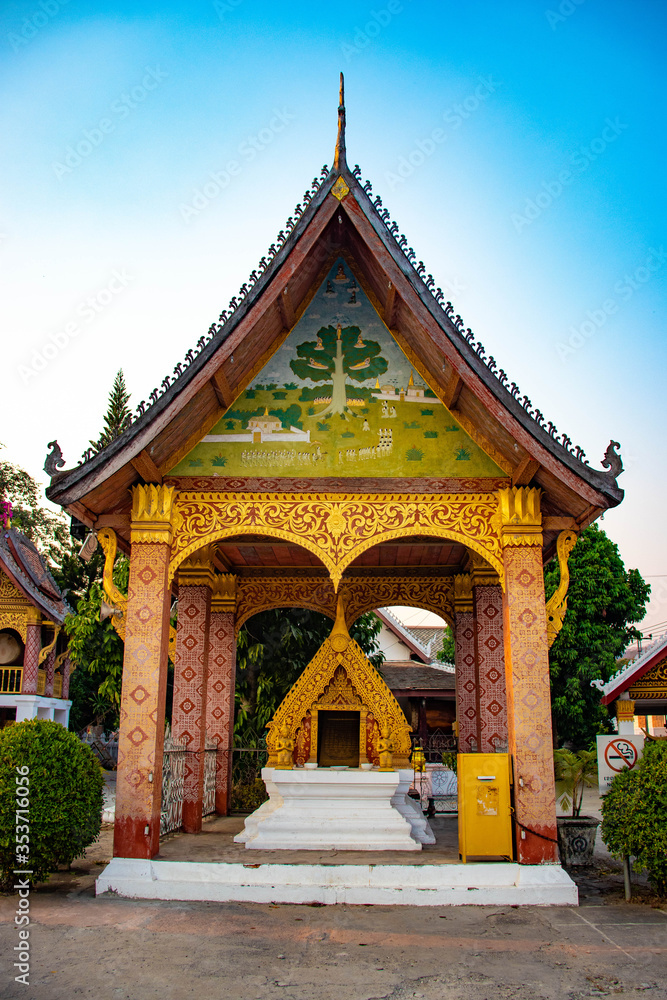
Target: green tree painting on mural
[(604, 602), (336, 354)]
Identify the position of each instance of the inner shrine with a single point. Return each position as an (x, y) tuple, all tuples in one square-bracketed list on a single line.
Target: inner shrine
[(340, 441)]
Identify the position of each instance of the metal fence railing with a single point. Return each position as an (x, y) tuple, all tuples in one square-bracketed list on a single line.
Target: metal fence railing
[(173, 781), (436, 743), (10, 680), (210, 767)]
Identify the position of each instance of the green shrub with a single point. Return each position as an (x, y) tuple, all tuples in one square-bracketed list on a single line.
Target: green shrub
[(634, 811), (247, 798), (450, 760), (65, 784), (574, 770)]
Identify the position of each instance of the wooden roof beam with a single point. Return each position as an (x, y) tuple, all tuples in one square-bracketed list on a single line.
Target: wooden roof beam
[(286, 307), (452, 390), (390, 305), (525, 471), (559, 523), (222, 389), (146, 467), (119, 522)]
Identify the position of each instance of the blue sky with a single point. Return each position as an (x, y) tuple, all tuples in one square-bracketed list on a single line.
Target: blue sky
[(539, 207)]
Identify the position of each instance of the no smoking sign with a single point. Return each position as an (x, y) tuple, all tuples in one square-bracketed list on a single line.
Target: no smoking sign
[(620, 754), (614, 754)]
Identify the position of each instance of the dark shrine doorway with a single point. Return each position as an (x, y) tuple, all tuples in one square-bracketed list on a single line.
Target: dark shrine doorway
[(338, 739)]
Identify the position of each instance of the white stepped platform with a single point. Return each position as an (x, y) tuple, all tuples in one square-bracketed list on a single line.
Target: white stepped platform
[(328, 809), (502, 884)]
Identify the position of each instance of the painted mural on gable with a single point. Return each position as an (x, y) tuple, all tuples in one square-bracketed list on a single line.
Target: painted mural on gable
[(338, 398)]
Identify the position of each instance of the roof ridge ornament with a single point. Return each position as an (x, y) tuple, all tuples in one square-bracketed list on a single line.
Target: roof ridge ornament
[(340, 162), (612, 460), (54, 460)]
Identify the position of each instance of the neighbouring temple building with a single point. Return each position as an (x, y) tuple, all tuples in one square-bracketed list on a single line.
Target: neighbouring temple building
[(637, 694), (34, 664), (338, 441)]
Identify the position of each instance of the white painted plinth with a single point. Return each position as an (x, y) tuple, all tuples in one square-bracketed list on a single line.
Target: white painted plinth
[(325, 809), (501, 884)]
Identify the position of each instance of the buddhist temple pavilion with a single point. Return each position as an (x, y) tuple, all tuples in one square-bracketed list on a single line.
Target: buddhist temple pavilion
[(34, 662), (337, 433)]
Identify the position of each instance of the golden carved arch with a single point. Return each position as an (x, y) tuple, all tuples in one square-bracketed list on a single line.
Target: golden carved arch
[(337, 528), (362, 593)]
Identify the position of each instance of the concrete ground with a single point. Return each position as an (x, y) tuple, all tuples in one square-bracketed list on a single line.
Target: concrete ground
[(116, 949)]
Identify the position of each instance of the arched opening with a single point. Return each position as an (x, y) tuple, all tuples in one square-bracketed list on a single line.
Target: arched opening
[(12, 650)]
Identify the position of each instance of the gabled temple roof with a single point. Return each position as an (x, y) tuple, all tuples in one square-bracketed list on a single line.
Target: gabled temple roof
[(417, 680), (404, 634), (632, 672), (26, 568), (338, 216)]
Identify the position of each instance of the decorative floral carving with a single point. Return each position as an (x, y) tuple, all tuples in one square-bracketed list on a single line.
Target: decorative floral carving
[(359, 522)]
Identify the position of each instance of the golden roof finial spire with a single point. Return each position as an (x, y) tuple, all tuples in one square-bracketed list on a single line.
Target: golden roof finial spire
[(339, 156), (340, 637)]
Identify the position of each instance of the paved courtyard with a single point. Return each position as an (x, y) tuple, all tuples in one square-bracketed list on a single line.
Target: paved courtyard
[(116, 949)]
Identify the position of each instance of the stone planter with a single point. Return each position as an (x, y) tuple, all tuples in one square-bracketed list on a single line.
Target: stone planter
[(576, 839)]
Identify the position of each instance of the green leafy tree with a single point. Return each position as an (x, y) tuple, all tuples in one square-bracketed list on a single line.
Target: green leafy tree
[(633, 814), (47, 530), (118, 416), (336, 355), (448, 652), (273, 649), (604, 602), (96, 650)]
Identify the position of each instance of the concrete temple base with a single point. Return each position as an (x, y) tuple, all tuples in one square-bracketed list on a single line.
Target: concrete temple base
[(501, 884), (327, 809)]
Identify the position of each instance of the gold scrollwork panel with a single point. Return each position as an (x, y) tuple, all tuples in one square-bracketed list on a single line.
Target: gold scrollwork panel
[(13, 607), (337, 528), (362, 594)]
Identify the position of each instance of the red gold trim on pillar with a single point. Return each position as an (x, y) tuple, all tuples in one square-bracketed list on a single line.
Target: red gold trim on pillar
[(33, 645), (188, 714), (220, 700), (490, 655), (141, 742), (527, 672), (466, 674)]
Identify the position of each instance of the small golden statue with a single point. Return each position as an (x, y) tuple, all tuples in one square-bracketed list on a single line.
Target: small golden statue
[(418, 759), (283, 749), (385, 747)]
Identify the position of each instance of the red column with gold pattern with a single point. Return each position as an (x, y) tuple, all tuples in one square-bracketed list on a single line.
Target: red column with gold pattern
[(33, 645), (467, 716), (144, 689), (188, 714), (221, 686), (489, 656), (527, 672), (49, 667)]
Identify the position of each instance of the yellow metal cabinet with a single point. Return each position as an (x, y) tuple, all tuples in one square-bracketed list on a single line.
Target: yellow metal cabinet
[(485, 824)]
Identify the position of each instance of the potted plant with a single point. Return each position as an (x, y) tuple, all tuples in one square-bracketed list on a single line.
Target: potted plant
[(575, 770)]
